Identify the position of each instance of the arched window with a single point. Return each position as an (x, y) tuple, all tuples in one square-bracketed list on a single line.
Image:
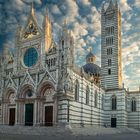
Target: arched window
[(76, 90), (114, 102), (62, 44), (109, 62), (133, 104), (95, 98), (87, 95), (126, 102), (102, 101), (109, 71)]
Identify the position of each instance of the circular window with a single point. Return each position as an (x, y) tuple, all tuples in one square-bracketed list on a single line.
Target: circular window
[(30, 57)]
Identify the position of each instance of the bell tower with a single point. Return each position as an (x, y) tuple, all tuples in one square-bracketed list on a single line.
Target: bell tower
[(111, 48)]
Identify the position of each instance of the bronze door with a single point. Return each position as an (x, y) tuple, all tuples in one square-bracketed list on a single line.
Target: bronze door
[(29, 114), (12, 116), (49, 116)]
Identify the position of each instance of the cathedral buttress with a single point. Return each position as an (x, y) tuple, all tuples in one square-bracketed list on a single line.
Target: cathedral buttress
[(66, 54)]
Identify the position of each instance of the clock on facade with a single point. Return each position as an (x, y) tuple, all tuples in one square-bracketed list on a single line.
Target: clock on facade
[(30, 57)]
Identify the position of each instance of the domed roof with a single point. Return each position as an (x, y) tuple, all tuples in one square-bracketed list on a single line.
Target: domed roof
[(92, 68), (90, 55)]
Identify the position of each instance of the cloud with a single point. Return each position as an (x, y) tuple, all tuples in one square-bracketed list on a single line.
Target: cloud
[(129, 53), (30, 1), (55, 10), (125, 7), (83, 17), (137, 3), (84, 2), (131, 64)]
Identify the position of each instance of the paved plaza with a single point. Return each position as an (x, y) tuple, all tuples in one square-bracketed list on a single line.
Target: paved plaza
[(70, 137), (61, 133)]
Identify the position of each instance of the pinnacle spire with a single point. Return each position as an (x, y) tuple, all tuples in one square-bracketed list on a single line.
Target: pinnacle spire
[(103, 8), (65, 25), (47, 11), (111, 5), (64, 22), (91, 49), (116, 3), (46, 17), (32, 8)]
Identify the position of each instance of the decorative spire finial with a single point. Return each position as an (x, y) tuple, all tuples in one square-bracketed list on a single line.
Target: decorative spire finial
[(47, 12), (103, 4), (32, 8), (116, 3), (90, 49), (65, 25), (65, 22)]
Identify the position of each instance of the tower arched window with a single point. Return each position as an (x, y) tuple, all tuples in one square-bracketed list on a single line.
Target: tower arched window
[(95, 98), (62, 43), (76, 90), (102, 101), (109, 62), (109, 51), (133, 104), (126, 102), (114, 102), (87, 95)]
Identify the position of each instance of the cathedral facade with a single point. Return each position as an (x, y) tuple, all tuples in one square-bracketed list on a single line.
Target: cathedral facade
[(41, 85)]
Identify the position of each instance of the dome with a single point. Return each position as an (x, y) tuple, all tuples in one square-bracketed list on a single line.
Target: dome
[(92, 68)]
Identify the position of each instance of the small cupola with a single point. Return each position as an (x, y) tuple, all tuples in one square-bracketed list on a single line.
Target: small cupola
[(90, 58)]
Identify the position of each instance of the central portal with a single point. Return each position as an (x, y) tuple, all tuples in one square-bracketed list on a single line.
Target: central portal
[(29, 114), (49, 116)]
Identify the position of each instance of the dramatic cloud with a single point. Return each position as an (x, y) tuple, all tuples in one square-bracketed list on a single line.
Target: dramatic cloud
[(125, 7), (137, 3), (84, 19)]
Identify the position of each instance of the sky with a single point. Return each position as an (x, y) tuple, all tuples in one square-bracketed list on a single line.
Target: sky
[(83, 18)]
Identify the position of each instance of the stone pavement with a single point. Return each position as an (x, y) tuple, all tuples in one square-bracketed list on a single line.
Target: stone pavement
[(59, 131), (102, 131), (28, 130)]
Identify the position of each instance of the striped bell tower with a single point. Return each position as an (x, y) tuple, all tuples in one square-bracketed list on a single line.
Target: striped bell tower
[(111, 48)]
